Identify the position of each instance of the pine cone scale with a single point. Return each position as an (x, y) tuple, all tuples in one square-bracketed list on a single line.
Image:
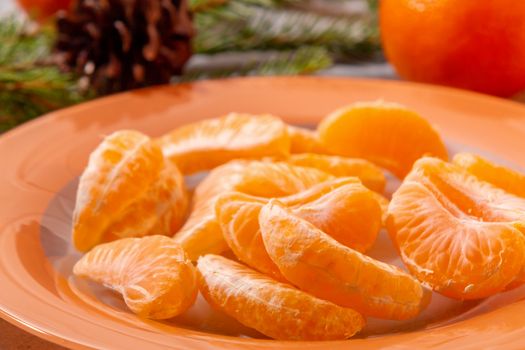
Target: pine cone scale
[(125, 44)]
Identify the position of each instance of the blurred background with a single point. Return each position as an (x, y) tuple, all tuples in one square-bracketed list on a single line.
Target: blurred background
[(153, 42), (55, 53)]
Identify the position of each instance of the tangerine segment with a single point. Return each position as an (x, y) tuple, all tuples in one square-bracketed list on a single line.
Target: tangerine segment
[(152, 273), (208, 143), (371, 176), (275, 309), (383, 203), (387, 134), (304, 141), (318, 264), (500, 176), (238, 216), (343, 208), (350, 214), (201, 234), (162, 210), (457, 234), (119, 172)]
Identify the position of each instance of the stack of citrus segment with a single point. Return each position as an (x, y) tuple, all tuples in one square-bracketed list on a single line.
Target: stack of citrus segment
[(458, 234), (128, 189), (298, 209)]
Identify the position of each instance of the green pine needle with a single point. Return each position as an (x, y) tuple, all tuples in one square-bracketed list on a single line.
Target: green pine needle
[(29, 84), (237, 26), (292, 62), (203, 5)]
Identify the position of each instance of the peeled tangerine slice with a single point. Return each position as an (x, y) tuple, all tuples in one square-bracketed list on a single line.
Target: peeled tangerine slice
[(318, 264), (343, 208), (304, 141), (208, 143), (127, 189), (371, 175), (275, 309), (386, 134), (499, 176), (461, 236), (201, 234), (152, 273)]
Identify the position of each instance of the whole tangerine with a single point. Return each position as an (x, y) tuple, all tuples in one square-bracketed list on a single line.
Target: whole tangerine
[(44, 9), (470, 44)]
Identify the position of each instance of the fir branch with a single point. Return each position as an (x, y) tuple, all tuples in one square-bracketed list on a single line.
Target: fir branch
[(29, 84), (301, 61), (373, 4), (204, 5), (237, 26)]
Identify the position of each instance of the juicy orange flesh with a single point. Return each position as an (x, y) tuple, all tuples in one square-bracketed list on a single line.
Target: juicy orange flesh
[(152, 273), (208, 143), (504, 178), (304, 140), (459, 227), (238, 215), (275, 309), (457, 234), (342, 208), (499, 176), (468, 198), (201, 234), (370, 174), (386, 134), (162, 210), (342, 275), (119, 173)]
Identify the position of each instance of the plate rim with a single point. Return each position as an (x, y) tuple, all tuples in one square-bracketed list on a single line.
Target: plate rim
[(46, 334)]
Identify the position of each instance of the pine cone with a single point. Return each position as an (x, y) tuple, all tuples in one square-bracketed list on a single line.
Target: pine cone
[(124, 44)]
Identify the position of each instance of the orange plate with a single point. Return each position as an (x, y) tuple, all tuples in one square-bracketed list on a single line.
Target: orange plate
[(42, 160)]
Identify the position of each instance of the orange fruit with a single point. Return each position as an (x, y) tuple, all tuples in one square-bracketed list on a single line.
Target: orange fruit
[(371, 176), (127, 189), (201, 234), (304, 140), (499, 176), (318, 264), (343, 208), (152, 273), (44, 9), (275, 309), (469, 44), (460, 236), (208, 143), (386, 134)]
